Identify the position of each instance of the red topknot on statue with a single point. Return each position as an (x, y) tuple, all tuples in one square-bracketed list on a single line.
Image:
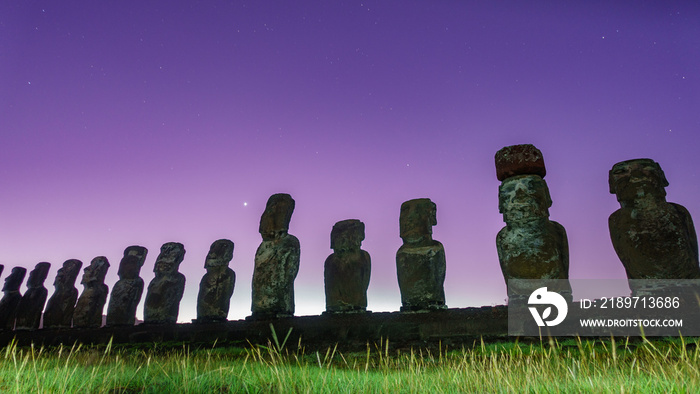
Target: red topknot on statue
[(522, 159)]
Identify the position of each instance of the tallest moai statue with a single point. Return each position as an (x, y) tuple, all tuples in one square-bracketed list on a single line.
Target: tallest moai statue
[(530, 246), (276, 261), (653, 238)]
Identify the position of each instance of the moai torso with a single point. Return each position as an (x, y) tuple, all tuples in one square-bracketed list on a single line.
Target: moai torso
[(60, 307), (11, 298), (347, 271), (32, 303), (276, 261), (530, 246), (127, 292), (88, 310), (420, 261), (166, 289), (654, 239), (216, 287)]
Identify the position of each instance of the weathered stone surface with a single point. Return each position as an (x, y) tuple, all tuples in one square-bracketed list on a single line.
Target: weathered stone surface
[(11, 298), (216, 287), (60, 307), (420, 261), (519, 160), (276, 261), (166, 289), (127, 292), (530, 246), (32, 303), (88, 310), (346, 272), (653, 238)]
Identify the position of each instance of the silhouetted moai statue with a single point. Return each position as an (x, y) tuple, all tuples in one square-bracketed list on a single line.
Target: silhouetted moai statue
[(276, 261), (653, 238), (530, 246), (11, 298), (127, 292), (420, 261), (216, 287), (33, 301), (166, 289), (346, 272), (88, 310), (60, 307)]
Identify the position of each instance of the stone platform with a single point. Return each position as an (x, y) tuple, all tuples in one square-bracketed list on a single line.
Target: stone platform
[(449, 327)]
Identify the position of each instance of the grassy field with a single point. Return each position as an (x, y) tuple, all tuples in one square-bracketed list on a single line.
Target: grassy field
[(657, 365)]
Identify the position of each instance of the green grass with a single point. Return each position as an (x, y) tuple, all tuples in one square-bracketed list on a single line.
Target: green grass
[(660, 365)]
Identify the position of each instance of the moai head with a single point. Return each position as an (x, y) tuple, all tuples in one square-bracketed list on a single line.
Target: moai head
[(131, 263), (169, 259), (347, 235), (278, 213), (523, 198), (633, 179), (417, 220), (2, 268), (38, 275), (95, 272), (14, 280), (519, 160), (220, 253), (66, 275)]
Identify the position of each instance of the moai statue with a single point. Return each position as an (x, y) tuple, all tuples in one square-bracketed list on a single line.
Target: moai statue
[(346, 272), (88, 310), (32, 303), (166, 289), (11, 298), (653, 238), (60, 307), (127, 292), (276, 261), (530, 246), (420, 261), (216, 287)]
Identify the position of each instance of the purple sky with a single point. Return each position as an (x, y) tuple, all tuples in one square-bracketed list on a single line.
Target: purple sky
[(158, 121)]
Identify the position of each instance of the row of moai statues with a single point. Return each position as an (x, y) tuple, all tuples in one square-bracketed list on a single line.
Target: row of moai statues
[(653, 239), (65, 309)]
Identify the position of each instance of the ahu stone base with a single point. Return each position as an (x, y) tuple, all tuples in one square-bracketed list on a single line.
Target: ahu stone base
[(353, 331)]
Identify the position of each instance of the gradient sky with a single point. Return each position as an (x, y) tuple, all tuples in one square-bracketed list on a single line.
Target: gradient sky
[(150, 122)]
